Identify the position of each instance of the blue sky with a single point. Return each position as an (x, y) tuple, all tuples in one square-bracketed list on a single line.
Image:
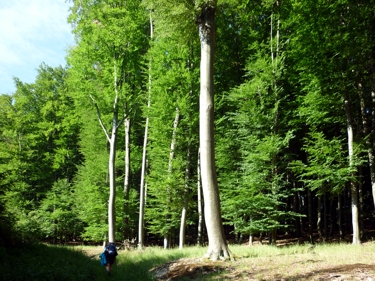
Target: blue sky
[(31, 32)]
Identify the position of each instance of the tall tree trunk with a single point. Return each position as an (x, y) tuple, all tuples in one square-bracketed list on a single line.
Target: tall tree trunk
[(310, 215), (112, 188), (170, 169), (319, 219), (325, 216), (112, 166), (217, 247), (339, 217), (353, 185), (360, 203), (301, 202), (200, 203), (126, 178), (142, 190), (331, 216), (186, 200), (369, 141), (296, 209), (112, 159)]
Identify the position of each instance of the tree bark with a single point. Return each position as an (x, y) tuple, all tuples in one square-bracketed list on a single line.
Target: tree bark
[(325, 216), (200, 203), (369, 140), (167, 235), (186, 201), (339, 216), (353, 185), (112, 139), (217, 247), (112, 187), (126, 178), (310, 215), (319, 219), (142, 189), (296, 209)]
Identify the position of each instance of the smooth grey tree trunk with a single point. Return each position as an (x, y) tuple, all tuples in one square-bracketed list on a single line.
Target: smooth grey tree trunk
[(217, 245), (112, 139), (167, 236), (142, 190), (200, 203), (353, 185), (360, 203), (112, 186), (310, 215), (126, 177), (186, 201), (111, 167)]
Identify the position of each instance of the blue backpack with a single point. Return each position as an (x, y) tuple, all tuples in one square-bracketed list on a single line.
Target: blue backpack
[(103, 259)]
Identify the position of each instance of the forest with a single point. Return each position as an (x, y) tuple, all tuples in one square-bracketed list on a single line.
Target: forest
[(109, 146)]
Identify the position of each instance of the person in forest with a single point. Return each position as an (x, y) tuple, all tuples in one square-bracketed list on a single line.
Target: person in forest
[(110, 255)]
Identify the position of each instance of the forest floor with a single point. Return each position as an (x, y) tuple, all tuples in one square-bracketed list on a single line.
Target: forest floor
[(287, 261), (346, 262)]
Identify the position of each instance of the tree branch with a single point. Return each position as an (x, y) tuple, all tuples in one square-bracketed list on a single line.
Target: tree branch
[(100, 119)]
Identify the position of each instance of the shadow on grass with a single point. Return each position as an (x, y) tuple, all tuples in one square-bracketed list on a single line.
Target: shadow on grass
[(42, 262)]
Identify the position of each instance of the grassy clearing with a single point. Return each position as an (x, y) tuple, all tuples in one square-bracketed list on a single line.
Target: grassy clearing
[(322, 262)]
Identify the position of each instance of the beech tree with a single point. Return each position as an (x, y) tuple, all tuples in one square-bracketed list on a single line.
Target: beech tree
[(111, 63), (206, 23)]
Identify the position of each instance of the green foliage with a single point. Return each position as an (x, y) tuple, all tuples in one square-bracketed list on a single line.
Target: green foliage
[(57, 214), (173, 95), (283, 71), (38, 145), (327, 167), (255, 201)]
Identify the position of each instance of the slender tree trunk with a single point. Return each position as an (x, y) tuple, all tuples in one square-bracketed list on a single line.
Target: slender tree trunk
[(301, 204), (319, 220), (126, 178), (339, 219), (325, 217), (297, 223), (186, 200), (200, 203), (310, 215), (170, 169), (112, 166), (112, 187), (167, 240), (353, 185), (360, 203), (112, 139), (142, 190), (369, 140), (331, 216)]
